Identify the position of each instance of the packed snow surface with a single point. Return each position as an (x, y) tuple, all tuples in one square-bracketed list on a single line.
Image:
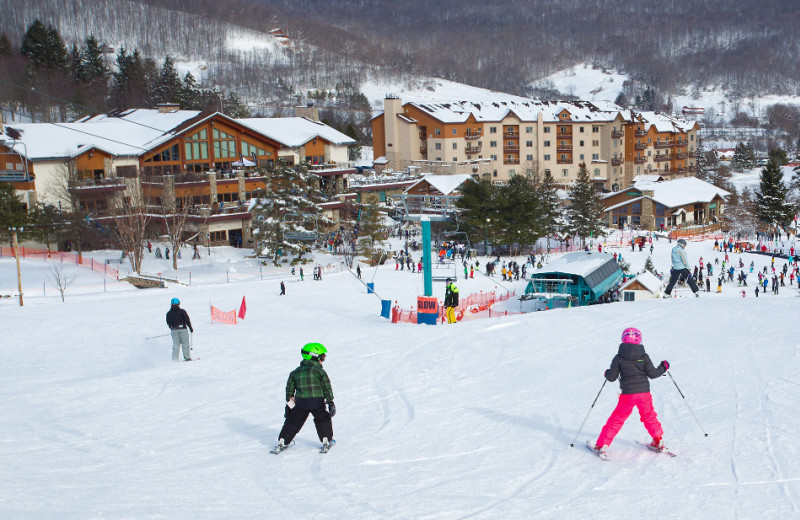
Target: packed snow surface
[(472, 420)]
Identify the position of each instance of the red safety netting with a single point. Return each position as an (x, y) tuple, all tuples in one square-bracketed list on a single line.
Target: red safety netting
[(477, 305), (60, 257)]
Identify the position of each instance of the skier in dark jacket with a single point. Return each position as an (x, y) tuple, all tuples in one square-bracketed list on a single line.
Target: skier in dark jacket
[(450, 300), (307, 391), (633, 368), (178, 321)]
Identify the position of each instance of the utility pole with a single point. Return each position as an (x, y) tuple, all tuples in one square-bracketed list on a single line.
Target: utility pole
[(15, 245)]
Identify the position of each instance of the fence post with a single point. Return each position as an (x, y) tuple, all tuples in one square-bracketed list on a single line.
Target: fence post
[(190, 278)]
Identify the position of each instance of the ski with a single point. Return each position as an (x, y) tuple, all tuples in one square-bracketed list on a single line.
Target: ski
[(664, 450), (326, 447), (278, 448), (602, 455)]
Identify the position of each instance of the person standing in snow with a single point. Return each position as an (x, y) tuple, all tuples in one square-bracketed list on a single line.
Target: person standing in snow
[(308, 389), (680, 269), (178, 321), (451, 300), (633, 367), (283, 289)]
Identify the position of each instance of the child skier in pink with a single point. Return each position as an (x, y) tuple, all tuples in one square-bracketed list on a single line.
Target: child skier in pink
[(633, 368)]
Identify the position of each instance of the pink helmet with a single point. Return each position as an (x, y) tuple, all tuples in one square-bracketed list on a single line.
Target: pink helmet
[(631, 335)]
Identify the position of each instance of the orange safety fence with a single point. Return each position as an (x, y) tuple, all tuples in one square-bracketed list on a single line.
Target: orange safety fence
[(476, 305), (63, 257)]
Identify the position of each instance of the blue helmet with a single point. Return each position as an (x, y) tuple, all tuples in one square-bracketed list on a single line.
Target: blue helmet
[(175, 301)]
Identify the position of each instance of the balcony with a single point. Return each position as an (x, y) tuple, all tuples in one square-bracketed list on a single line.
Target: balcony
[(617, 161), (640, 146), (511, 148), (664, 144), (680, 144), (511, 135), (681, 171), (662, 158), (564, 161), (472, 150), (472, 137), (681, 155), (640, 133), (423, 136), (563, 136), (640, 160), (423, 150), (617, 134), (508, 160), (563, 147)]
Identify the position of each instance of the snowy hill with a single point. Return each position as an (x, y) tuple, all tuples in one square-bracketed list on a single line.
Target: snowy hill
[(472, 420)]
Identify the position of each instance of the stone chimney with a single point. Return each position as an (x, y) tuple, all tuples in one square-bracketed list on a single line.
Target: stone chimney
[(166, 108), (309, 111)]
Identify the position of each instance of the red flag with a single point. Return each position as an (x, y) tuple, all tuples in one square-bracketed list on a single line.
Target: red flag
[(242, 309)]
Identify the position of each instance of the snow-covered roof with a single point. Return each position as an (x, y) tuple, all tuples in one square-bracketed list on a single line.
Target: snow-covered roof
[(133, 132), (295, 131), (446, 184), (672, 194), (648, 279), (459, 112), (661, 122), (580, 263)]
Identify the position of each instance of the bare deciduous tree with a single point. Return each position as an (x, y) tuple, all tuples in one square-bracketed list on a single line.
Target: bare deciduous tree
[(59, 280), (131, 218)]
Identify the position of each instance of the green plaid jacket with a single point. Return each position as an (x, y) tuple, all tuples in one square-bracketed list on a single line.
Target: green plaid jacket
[(309, 380)]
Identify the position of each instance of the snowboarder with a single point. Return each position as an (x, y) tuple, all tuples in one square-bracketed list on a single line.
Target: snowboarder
[(178, 321), (451, 300), (308, 389), (680, 269), (633, 367)]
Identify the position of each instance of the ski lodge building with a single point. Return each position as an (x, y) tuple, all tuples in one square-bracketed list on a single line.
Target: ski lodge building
[(170, 158), (656, 204), (583, 276), (525, 137)]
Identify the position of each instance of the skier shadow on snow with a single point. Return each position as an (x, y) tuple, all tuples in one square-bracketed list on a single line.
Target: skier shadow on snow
[(258, 432), (531, 422)]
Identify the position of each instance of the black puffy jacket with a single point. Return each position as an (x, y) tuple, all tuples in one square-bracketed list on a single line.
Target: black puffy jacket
[(633, 367)]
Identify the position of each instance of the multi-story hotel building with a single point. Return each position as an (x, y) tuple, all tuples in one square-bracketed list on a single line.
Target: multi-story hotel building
[(507, 138)]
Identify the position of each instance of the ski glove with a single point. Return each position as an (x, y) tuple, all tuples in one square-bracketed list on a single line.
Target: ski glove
[(332, 409), (665, 364)]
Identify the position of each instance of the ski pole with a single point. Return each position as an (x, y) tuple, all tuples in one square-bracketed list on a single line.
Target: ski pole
[(687, 403), (160, 336), (572, 444)]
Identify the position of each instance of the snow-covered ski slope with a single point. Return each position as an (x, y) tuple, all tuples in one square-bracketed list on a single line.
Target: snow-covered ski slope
[(472, 420)]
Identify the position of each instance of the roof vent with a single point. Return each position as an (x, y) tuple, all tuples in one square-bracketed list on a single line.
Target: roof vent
[(166, 108)]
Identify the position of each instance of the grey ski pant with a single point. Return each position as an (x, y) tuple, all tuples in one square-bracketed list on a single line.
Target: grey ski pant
[(180, 338)]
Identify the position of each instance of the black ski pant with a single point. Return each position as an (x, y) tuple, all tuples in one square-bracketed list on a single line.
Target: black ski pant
[(682, 274), (298, 415)]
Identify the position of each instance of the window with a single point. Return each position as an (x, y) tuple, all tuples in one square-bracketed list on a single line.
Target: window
[(494, 158), (691, 137), (511, 173), (249, 149), (595, 156), (455, 131), (455, 146), (595, 129), (529, 143), (529, 173), (224, 144), (494, 173), (628, 296), (547, 172), (580, 143), (437, 146), (455, 159), (493, 130), (529, 157), (547, 143), (437, 131), (597, 172), (528, 129), (595, 143), (565, 173), (219, 236), (547, 129), (547, 157), (439, 159), (580, 129), (493, 144), (196, 146)]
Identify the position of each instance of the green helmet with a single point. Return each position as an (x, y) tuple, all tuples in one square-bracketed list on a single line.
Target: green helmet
[(313, 350)]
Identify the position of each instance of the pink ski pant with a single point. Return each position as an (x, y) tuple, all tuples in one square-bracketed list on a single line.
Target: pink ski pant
[(644, 402)]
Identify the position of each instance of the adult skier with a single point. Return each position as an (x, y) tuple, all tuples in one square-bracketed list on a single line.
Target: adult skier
[(308, 389), (178, 321), (633, 367), (680, 270), (450, 300)]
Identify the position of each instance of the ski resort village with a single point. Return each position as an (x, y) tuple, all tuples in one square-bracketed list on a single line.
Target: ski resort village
[(470, 305)]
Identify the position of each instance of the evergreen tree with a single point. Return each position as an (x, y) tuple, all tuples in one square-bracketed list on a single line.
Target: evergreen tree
[(649, 266), (700, 163), (551, 208), (132, 81), (773, 206), (5, 46), (370, 229), (744, 157), (191, 97), (778, 156), (290, 205), (35, 44), (477, 209), (169, 88), (75, 65), (585, 214), (93, 63), (12, 212), (520, 213)]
